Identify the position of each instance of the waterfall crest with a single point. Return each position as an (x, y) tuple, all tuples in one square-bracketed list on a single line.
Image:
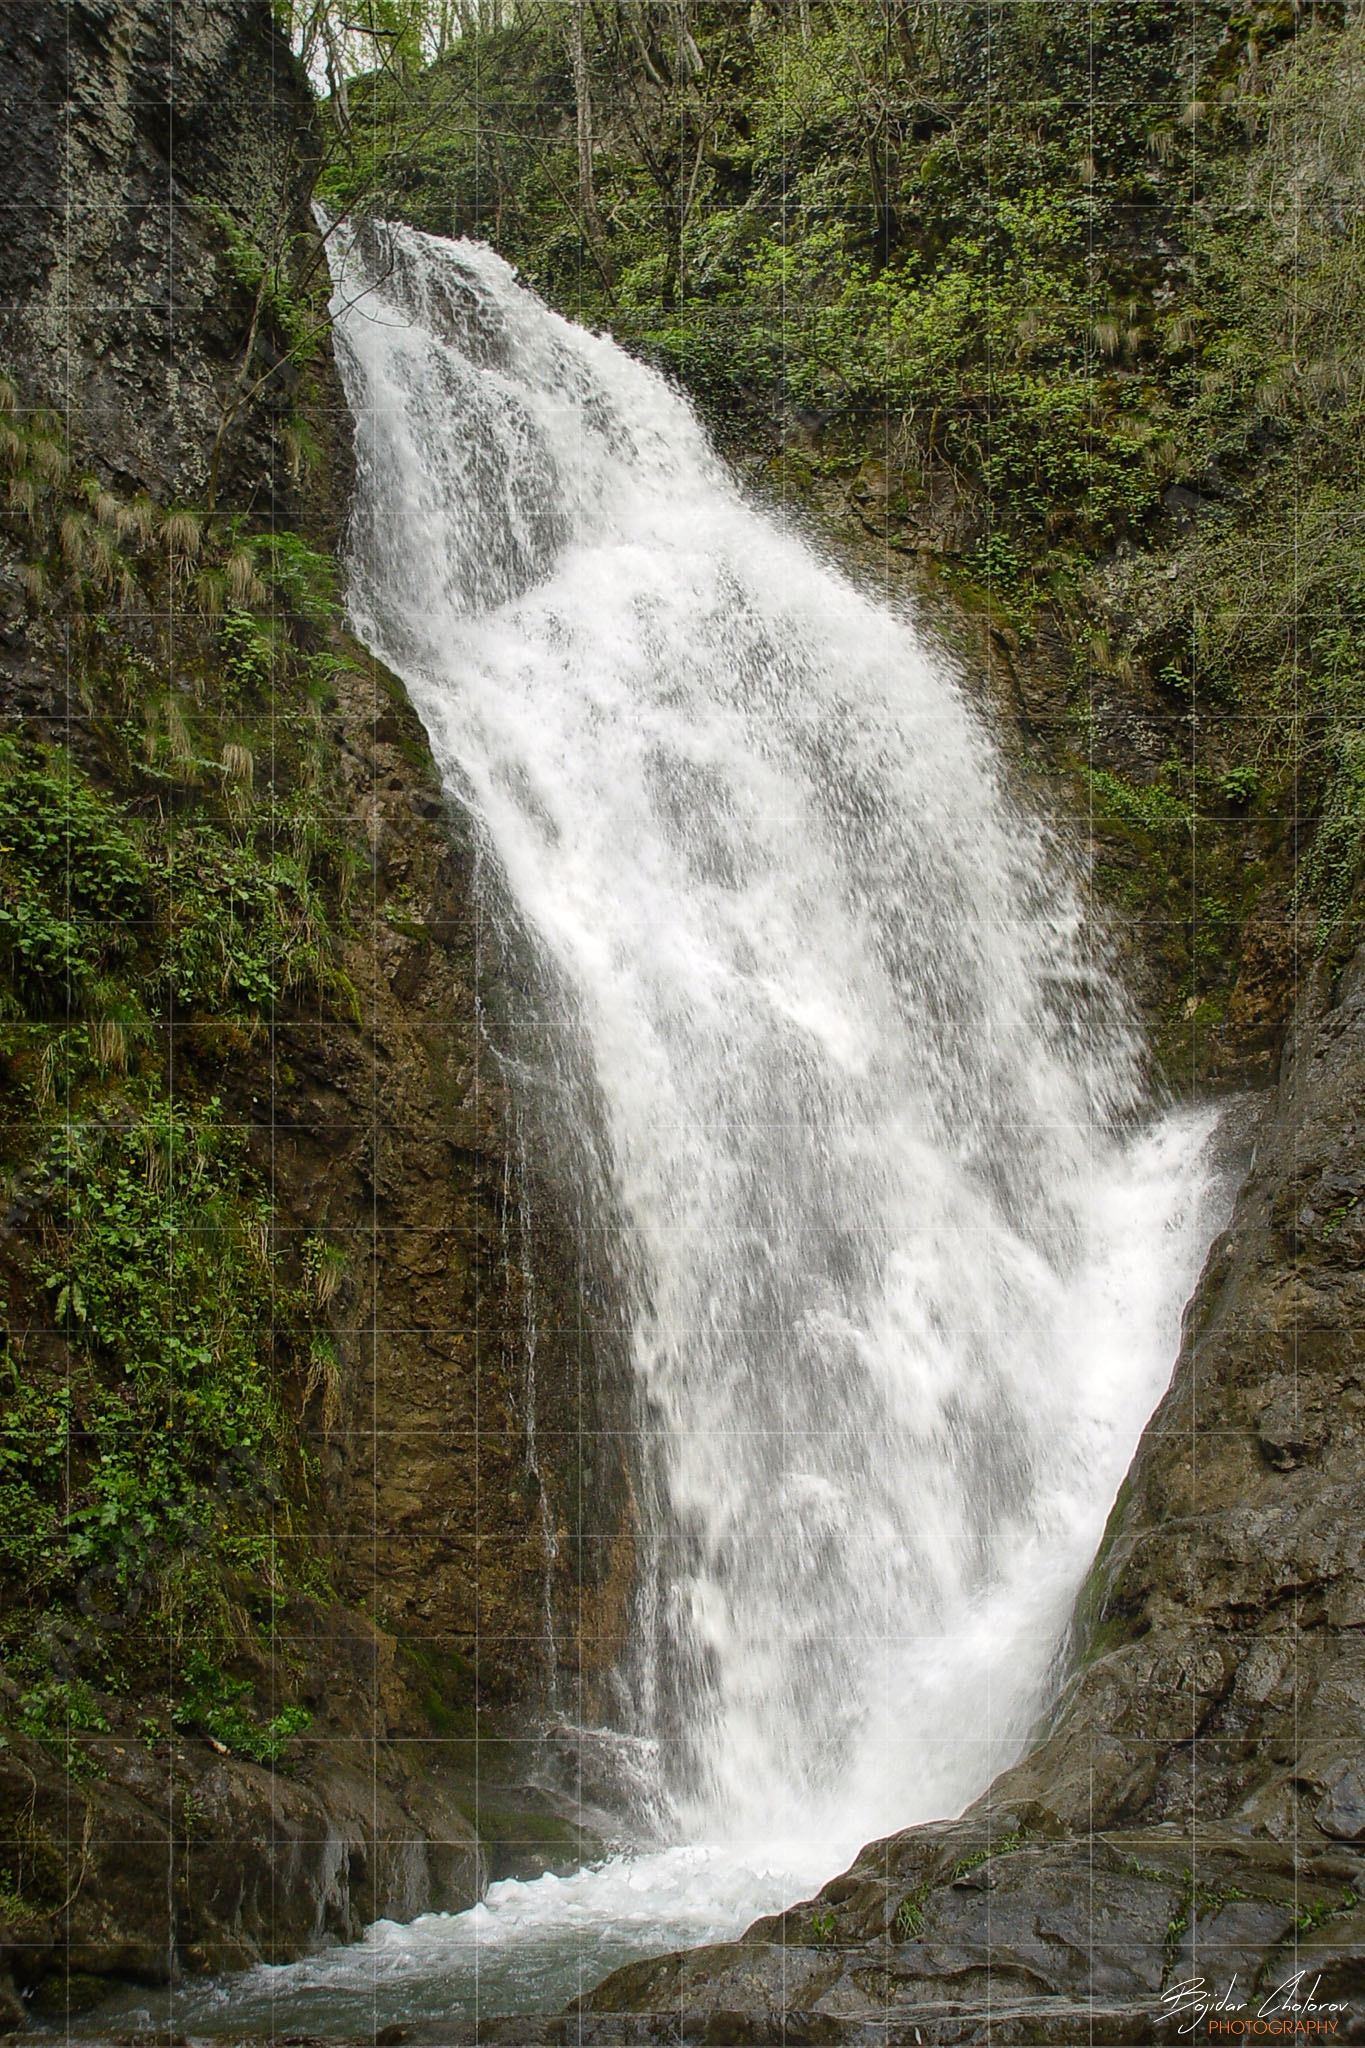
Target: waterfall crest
[(903, 1285)]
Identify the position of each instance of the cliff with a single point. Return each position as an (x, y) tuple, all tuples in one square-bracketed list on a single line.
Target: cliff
[(288, 1563)]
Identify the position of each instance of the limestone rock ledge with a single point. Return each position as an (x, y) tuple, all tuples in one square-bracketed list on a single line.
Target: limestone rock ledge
[(142, 139)]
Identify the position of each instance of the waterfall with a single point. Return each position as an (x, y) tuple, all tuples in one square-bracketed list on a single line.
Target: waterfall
[(902, 1263)]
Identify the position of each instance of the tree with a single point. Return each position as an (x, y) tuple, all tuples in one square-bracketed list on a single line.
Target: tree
[(587, 195)]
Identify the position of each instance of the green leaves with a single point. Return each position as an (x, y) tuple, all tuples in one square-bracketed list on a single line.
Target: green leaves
[(177, 1440), (244, 928), (187, 880), (216, 1705), (72, 878), (304, 579)]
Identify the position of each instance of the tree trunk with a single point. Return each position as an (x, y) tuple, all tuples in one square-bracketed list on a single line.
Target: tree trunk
[(336, 74), (689, 56), (587, 193)]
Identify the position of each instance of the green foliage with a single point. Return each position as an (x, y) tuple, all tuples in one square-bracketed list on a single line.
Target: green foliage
[(908, 1922), (446, 1682), (253, 650), (35, 1438), (397, 34), (50, 1711), (1267, 590), (150, 1453), (1319, 1911), (1201, 1902), (161, 1460), (848, 224), (1007, 1845), (1151, 807), (248, 928), (102, 917), (216, 1705), (168, 1439), (305, 579), (261, 264), (232, 910), (822, 1927), (72, 879), (1240, 785), (34, 1870)]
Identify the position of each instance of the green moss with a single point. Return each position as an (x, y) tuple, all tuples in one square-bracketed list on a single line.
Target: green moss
[(446, 1684), (1096, 1632), (163, 898), (1154, 809)]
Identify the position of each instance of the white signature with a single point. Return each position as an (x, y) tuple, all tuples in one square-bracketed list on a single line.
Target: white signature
[(1291, 2009)]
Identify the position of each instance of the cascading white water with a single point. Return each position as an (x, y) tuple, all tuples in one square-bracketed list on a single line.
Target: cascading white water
[(860, 1079), (903, 1264), (904, 1272)]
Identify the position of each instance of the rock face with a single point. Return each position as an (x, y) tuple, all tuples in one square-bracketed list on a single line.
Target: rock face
[(465, 1516), (1195, 1806), (478, 1564), (189, 1860), (422, 1773), (150, 151), (1222, 1664)]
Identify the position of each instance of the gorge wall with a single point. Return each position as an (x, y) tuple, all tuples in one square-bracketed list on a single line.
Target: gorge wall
[(276, 1679), (283, 1580), (1193, 1807)]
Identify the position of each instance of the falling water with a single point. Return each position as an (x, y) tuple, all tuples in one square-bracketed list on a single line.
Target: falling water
[(904, 1269)]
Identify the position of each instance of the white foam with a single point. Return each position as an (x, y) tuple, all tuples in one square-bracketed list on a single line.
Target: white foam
[(903, 1294), (905, 1284)]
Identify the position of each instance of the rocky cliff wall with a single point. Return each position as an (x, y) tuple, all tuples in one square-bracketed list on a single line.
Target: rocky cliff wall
[(315, 1697), (1195, 1805), (150, 150)]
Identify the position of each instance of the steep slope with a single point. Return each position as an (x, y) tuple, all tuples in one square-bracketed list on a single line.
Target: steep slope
[(279, 1571)]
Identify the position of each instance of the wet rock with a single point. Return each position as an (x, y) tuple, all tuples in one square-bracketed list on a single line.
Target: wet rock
[(210, 1862), (1229, 1943), (1342, 1812), (147, 143), (1289, 1433), (1192, 1805)]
